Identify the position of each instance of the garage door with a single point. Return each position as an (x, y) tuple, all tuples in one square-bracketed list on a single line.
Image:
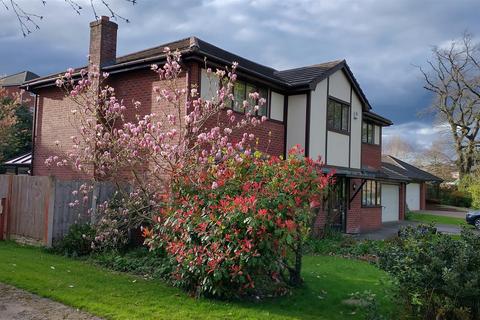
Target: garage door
[(413, 196), (390, 202)]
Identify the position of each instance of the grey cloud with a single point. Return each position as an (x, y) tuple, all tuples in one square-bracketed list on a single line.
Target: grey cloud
[(380, 39)]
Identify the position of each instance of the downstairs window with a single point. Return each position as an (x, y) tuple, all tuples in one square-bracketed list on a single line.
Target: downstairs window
[(371, 194)]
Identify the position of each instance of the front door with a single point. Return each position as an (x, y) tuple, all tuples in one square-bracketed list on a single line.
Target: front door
[(337, 205)]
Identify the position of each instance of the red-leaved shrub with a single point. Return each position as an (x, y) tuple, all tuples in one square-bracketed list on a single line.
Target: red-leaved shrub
[(240, 231)]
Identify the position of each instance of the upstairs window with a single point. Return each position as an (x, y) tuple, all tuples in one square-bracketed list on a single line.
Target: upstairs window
[(241, 91), (338, 116), (368, 133), (371, 194)]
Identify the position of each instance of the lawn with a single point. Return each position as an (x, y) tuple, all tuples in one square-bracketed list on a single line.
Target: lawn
[(329, 281), (432, 218)]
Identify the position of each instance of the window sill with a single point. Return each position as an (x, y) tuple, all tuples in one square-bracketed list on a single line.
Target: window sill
[(347, 133), (371, 144), (371, 206), (243, 114)]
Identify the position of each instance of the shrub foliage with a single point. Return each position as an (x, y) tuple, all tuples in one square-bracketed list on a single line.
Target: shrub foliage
[(241, 230), (77, 242), (439, 277)]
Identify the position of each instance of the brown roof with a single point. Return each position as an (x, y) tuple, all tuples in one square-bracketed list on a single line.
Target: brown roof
[(303, 78), (405, 169)]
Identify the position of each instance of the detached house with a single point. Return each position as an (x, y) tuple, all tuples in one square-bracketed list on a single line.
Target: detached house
[(11, 84), (321, 107)]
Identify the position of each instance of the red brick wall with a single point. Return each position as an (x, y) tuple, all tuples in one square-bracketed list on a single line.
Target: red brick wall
[(354, 212), (362, 219), (53, 124), (54, 117), (359, 219), (402, 201), (319, 222), (371, 156)]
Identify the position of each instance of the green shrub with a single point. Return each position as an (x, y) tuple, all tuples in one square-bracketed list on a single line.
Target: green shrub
[(138, 261), (457, 198), (77, 242), (344, 245), (438, 276), (474, 191)]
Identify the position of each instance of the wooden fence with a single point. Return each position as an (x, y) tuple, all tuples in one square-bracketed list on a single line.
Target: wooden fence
[(37, 208)]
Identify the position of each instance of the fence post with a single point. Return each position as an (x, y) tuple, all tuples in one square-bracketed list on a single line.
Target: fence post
[(8, 205), (3, 211), (48, 237)]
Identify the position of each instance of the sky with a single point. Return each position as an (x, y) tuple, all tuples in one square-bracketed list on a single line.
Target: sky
[(383, 41)]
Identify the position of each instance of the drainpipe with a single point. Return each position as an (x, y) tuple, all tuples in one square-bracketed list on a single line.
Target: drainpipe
[(34, 132)]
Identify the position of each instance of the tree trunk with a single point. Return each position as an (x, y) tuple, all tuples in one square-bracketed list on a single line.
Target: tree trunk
[(295, 274)]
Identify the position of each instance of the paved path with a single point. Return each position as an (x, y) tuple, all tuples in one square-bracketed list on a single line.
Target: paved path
[(18, 304)]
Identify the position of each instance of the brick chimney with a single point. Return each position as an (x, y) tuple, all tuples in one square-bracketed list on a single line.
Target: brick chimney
[(103, 42)]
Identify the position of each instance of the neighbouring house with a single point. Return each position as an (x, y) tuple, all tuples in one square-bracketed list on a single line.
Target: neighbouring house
[(12, 84), (418, 183), (19, 165), (321, 107)]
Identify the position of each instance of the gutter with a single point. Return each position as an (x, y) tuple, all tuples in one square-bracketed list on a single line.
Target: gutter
[(34, 132)]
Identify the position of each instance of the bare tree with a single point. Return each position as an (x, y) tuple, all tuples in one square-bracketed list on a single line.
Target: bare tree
[(29, 21), (454, 78), (399, 148), (437, 159)]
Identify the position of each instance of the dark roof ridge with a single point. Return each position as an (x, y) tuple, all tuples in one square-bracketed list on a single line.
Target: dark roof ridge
[(317, 65), (155, 47), (233, 54)]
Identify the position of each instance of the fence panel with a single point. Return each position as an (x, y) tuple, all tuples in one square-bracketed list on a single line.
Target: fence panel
[(65, 215), (29, 203), (38, 208), (4, 186)]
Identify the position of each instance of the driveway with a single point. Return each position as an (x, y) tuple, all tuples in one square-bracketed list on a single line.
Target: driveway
[(390, 230), (18, 304), (446, 213)]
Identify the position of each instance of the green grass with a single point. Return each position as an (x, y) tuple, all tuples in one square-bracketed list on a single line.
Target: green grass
[(432, 218), (329, 280)]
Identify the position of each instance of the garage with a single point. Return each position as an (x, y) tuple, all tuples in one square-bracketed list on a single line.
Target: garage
[(413, 196), (390, 202)]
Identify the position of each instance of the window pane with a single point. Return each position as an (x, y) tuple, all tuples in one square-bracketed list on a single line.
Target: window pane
[(379, 195), (372, 133), (239, 94), (374, 192), (364, 132), (263, 94), (364, 195), (338, 116), (345, 117), (251, 102), (367, 193), (330, 113)]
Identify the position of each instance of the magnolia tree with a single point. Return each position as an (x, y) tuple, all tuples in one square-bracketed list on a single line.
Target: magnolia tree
[(231, 219)]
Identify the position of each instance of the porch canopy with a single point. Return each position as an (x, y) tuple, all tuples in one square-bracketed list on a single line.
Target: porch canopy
[(19, 165)]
